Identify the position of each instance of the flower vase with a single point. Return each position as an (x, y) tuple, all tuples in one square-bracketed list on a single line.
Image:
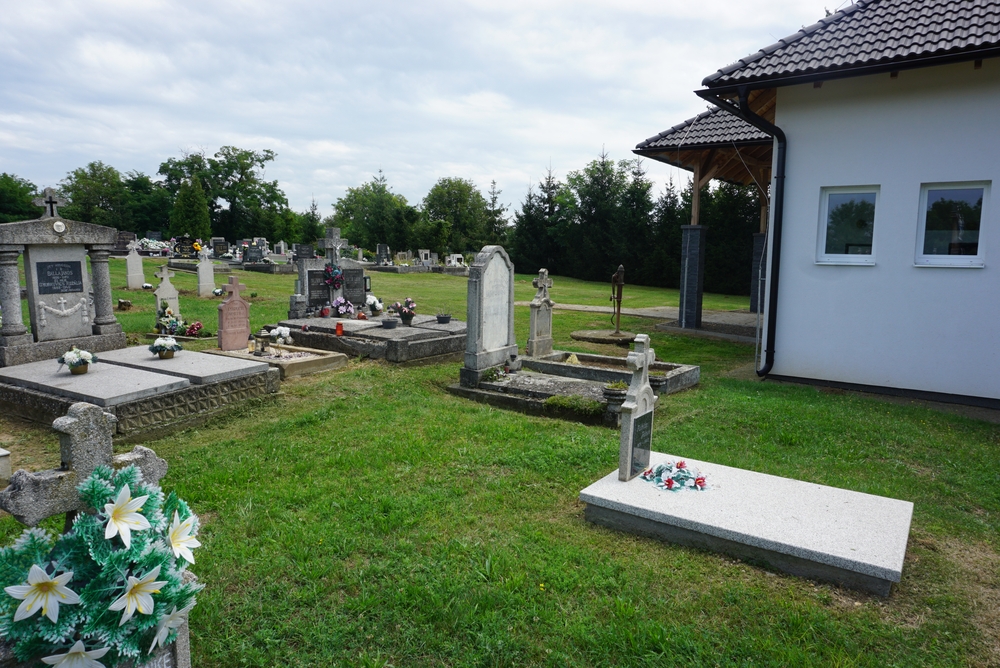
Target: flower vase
[(79, 369), (166, 354), (407, 320)]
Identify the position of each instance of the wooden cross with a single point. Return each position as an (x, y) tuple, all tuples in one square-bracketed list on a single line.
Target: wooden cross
[(84, 443), (50, 201), (543, 283), (233, 288)]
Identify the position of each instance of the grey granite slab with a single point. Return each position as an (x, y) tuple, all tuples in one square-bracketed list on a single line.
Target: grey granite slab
[(329, 325), (839, 528), (543, 386), (198, 368), (452, 327), (103, 385)]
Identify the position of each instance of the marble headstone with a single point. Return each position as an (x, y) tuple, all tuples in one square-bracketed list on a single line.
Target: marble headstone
[(133, 267), (490, 340), (637, 412), (206, 274), (166, 292)]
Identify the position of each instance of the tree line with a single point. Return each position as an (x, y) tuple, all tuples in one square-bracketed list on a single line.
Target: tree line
[(603, 215)]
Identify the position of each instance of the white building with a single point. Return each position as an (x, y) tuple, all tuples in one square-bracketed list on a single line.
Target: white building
[(884, 237)]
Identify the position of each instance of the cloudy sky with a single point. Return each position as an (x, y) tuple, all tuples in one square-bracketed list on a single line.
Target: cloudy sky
[(481, 90)]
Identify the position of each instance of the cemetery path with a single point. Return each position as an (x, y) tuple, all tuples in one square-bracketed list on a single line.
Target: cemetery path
[(738, 318)]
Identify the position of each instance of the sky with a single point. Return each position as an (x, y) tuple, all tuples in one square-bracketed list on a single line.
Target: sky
[(486, 91)]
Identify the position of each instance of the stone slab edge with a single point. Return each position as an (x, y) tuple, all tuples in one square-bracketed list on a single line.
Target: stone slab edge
[(678, 379), (325, 361), (523, 404), (37, 352)]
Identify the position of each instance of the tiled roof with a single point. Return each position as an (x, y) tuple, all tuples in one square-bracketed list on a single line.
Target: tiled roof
[(872, 33), (706, 129)]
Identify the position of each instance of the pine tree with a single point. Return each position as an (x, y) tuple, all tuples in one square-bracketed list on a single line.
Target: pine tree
[(190, 213)]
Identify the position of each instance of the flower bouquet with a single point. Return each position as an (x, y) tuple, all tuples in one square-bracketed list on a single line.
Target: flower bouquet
[(342, 307), (165, 347), (374, 304), (675, 477), (111, 588), (194, 329), (167, 321), (77, 360), (333, 276), (281, 335), (407, 309)]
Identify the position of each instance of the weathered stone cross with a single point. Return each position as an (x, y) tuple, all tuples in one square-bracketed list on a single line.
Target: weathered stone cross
[(333, 242), (543, 283), (164, 274), (50, 202), (233, 288), (85, 443), (638, 362)]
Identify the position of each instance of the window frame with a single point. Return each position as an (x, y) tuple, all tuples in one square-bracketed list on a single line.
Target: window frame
[(969, 261), (822, 257)]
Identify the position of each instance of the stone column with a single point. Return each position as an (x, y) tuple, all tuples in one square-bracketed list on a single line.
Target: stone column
[(692, 275), (104, 315), (13, 331), (758, 272)]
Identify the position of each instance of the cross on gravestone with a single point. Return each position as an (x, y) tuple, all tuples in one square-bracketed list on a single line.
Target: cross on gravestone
[(540, 330), (85, 442), (233, 287), (234, 317), (50, 201), (166, 292), (333, 242), (637, 412)]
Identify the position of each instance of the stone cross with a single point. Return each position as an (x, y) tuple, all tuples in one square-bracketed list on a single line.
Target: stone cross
[(333, 243), (85, 443), (540, 330), (233, 288), (133, 245), (50, 201), (542, 283), (637, 412), (164, 274)]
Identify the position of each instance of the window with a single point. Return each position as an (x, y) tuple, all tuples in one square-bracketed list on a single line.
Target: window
[(847, 225), (949, 228)]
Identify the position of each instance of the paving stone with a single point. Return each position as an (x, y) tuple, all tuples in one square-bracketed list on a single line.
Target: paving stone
[(103, 385), (198, 368)]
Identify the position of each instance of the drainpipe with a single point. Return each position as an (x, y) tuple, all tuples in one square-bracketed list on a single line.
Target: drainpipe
[(777, 204)]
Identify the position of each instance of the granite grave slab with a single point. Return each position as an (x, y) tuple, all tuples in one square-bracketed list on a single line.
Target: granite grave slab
[(198, 368)]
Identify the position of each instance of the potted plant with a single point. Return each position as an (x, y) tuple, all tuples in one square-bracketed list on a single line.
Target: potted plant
[(77, 360), (406, 310), (343, 308), (165, 347), (374, 304), (443, 318)]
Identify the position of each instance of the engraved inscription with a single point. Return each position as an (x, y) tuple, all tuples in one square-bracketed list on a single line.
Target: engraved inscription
[(59, 277), (642, 441), (319, 291), (496, 304)]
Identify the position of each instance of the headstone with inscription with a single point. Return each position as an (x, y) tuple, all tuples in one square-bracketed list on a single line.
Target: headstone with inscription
[(219, 246), (354, 286), (154, 235), (490, 339), (540, 330), (166, 292), (317, 291), (184, 248), (425, 256), (281, 248), (454, 260), (383, 256), (234, 317), (206, 274), (253, 255), (332, 244), (304, 252), (123, 241), (67, 305), (637, 413), (133, 267), (261, 243)]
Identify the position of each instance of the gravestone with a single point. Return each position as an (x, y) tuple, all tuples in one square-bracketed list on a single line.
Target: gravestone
[(62, 310), (281, 248), (154, 235), (133, 267), (354, 286), (454, 260), (253, 255), (234, 317), (404, 257), (383, 256), (540, 330), (317, 291), (304, 252), (123, 241), (637, 412), (184, 248), (85, 442), (425, 256), (261, 243), (219, 246), (166, 292), (490, 336), (361, 255), (434, 259), (332, 244), (206, 274)]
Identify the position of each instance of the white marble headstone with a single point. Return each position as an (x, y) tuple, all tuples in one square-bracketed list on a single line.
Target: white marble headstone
[(133, 267)]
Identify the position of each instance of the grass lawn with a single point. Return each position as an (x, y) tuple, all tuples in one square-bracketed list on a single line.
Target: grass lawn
[(366, 517)]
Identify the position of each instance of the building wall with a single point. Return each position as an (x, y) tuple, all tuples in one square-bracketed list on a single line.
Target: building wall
[(892, 324)]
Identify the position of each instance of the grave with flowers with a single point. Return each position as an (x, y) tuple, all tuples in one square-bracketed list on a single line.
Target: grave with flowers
[(114, 588), (814, 531)]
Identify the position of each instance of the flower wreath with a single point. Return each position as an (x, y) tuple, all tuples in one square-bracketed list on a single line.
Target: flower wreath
[(675, 476), (112, 587), (333, 276)]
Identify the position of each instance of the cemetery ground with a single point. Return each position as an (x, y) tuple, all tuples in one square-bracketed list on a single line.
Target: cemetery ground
[(367, 517)]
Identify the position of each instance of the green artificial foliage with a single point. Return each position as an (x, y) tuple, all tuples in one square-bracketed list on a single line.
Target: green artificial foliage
[(101, 568), (190, 213)]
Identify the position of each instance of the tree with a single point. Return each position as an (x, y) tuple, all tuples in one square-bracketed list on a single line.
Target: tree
[(496, 217), (372, 214), (542, 227), (310, 224), (598, 189), (97, 195), (148, 203), (15, 199), (190, 213), (460, 203)]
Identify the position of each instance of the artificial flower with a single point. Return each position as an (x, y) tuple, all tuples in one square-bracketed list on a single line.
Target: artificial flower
[(181, 540), (124, 516), (42, 593), (681, 464), (168, 623), (699, 482), (77, 657), (138, 595), (669, 482)]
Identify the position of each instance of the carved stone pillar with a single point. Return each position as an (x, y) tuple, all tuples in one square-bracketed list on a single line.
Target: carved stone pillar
[(104, 315), (13, 331)]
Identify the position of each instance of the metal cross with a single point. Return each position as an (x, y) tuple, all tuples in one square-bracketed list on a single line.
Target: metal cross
[(50, 201)]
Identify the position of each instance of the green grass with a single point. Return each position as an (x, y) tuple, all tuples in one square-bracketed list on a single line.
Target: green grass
[(367, 517)]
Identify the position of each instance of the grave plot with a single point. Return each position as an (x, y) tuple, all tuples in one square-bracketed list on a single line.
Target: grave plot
[(291, 361), (555, 383), (814, 531)]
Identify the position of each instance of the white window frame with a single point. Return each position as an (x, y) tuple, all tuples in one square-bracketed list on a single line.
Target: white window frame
[(822, 257), (973, 261)]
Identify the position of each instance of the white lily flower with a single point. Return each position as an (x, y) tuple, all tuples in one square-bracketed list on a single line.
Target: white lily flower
[(43, 593), (124, 516), (138, 595), (168, 623), (181, 540), (77, 657)]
